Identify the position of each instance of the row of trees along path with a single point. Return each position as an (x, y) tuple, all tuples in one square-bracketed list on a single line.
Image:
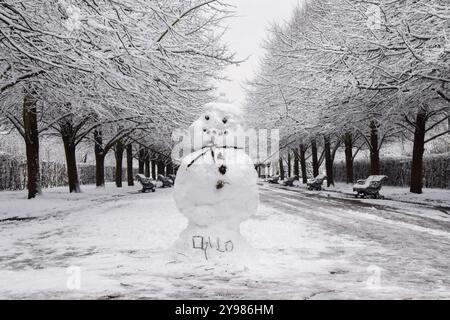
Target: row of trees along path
[(113, 74), (357, 75)]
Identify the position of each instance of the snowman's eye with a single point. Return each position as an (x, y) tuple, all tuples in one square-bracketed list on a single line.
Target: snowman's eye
[(225, 132), (207, 117), (204, 130), (224, 120)]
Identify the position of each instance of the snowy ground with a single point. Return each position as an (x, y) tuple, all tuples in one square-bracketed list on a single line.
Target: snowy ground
[(429, 197), (313, 246)]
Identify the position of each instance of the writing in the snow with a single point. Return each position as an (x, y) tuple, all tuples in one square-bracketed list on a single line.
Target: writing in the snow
[(205, 243)]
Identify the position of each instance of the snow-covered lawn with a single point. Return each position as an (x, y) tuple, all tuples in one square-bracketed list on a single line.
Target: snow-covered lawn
[(432, 203), (309, 247), (430, 196)]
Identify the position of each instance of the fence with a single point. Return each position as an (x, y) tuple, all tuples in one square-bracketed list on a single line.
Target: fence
[(436, 170), (13, 174)]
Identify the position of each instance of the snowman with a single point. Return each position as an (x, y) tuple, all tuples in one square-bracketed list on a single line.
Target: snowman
[(216, 189)]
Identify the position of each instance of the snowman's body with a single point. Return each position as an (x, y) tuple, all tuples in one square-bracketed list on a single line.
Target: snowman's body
[(216, 189)]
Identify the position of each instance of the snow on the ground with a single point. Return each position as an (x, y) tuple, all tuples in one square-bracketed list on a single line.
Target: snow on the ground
[(116, 240), (430, 196), (55, 200), (438, 200)]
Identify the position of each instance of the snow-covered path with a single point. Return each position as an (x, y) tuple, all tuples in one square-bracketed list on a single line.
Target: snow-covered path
[(408, 249), (310, 247)]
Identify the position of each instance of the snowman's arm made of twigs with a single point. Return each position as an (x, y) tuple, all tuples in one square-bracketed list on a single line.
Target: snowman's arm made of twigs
[(211, 148), (196, 158)]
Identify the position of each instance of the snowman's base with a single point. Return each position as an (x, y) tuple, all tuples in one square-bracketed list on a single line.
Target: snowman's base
[(213, 246)]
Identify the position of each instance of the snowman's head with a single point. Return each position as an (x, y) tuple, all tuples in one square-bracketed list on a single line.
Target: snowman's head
[(218, 122)]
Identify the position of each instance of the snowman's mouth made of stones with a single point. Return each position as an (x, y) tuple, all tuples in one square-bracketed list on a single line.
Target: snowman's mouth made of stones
[(213, 138), (213, 134)]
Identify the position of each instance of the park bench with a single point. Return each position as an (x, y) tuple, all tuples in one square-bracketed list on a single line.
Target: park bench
[(147, 183), (273, 179), (289, 182), (369, 187), (166, 182), (316, 183), (172, 177)]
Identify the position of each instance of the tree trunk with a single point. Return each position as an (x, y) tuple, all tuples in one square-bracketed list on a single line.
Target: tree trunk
[(374, 150), (32, 145), (141, 159), (100, 170), (315, 160), (147, 167), (118, 152), (328, 162), (348, 142), (71, 162), (289, 165), (130, 177), (160, 165), (68, 135), (296, 167), (170, 168), (99, 159), (418, 150), (153, 170), (281, 168), (303, 163)]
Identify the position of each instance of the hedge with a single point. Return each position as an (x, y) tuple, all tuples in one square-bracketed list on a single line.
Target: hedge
[(13, 174), (436, 171)]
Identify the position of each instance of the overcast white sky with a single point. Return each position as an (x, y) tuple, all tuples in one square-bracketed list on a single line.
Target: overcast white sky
[(245, 35)]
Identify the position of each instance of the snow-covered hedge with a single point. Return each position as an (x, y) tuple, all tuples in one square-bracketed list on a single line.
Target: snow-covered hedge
[(13, 174), (436, 171)]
